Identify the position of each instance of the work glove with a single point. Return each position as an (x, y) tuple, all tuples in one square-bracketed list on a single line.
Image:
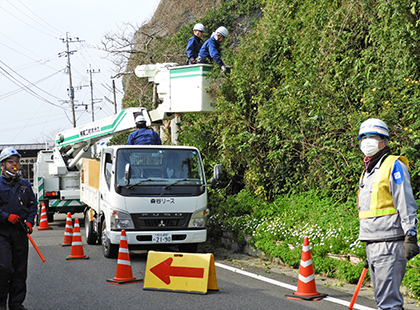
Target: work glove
[(411, 248), (29, 228), (224, 69), (13, 218)]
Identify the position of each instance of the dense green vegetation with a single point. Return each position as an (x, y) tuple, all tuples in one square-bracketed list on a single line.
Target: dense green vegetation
[(286, 120)]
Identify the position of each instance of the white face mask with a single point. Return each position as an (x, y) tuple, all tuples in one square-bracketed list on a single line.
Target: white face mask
[(369, 147)]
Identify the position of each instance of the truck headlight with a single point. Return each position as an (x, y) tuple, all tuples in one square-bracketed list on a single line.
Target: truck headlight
[(199, 219), (121, 220)]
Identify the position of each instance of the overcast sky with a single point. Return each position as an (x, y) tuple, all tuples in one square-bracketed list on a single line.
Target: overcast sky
[(33, 78)]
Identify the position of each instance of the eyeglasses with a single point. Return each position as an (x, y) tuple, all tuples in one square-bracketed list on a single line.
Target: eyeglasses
[(371, 136), (12, 161)]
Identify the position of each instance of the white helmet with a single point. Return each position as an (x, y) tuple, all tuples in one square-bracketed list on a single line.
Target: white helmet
[(140, 118), (223, 31), (8, 152), (375, 126), (199, 27)]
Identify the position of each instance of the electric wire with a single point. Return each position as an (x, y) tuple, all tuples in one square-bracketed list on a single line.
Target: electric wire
[(25, 87), (13, 92), (26, 22), (19, 52), (46, 13), (52, 27)]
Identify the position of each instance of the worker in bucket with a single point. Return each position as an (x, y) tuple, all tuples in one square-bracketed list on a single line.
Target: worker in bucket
[(18, 208), (194, 43), (143, 135), (210, 51), (387, 213)]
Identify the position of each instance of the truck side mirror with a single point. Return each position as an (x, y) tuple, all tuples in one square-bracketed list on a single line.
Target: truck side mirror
[(217, 175), (127, 173)]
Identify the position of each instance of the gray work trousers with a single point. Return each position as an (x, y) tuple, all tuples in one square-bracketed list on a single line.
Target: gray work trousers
[(387, 265)]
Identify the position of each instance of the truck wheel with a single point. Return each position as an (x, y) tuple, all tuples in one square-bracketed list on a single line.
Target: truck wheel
[(50, 217), (188, 248), (110, 250), (91, 236)]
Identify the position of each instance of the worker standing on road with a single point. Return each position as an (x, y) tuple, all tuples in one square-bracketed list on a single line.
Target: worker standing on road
[(17, 204), (211, 48), (194, 43), (143, 135), (387, 212)]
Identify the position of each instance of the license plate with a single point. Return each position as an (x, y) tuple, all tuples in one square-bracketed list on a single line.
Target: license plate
[(161, 238)]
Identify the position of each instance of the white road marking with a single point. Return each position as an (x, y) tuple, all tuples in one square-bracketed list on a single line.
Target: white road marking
[(288, 286)]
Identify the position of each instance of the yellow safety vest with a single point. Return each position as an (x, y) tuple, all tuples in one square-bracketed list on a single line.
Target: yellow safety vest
[(381, 202)]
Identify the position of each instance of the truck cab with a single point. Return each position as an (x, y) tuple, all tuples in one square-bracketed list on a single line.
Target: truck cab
[(157, 194)]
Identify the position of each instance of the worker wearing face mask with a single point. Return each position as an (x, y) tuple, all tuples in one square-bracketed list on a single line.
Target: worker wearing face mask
[(387, 213), (18, 207)]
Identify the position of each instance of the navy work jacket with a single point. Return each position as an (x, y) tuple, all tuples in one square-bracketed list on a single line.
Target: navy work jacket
[(18, 199), (194, 45), (144, 136), (211, 49)]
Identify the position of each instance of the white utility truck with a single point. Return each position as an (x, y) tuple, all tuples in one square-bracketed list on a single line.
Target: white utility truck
[(158, 194)]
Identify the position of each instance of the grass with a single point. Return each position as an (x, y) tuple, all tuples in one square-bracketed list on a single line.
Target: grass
[(278, 229)]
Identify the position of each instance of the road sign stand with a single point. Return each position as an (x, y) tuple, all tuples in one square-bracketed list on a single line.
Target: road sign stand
[(180, 272)]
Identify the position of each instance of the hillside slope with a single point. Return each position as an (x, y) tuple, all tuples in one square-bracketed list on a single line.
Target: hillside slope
[(164, 38)]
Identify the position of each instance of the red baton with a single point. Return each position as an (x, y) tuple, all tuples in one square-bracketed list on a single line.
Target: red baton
[(35, 247), (33, 242), (359, 285)]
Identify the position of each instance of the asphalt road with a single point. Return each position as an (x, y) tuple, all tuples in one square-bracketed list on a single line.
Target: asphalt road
[(81, 284)]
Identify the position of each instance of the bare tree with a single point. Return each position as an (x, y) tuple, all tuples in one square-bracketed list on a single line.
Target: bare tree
[(120, 45)]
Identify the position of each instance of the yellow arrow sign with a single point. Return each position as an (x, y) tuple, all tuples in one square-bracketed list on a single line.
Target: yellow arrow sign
[(194, 273)]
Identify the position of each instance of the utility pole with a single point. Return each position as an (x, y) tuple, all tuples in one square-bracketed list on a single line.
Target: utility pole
[(115, 95), (90, 71), (68, 40)]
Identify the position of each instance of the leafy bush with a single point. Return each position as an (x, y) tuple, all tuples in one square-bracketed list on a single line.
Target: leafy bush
[(286, 120)]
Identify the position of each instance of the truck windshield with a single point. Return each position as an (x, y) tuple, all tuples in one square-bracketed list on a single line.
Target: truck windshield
[(160, 167)]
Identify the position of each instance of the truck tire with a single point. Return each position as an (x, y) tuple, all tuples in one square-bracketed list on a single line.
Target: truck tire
[(91, 236), (110, 250), (188, 247)]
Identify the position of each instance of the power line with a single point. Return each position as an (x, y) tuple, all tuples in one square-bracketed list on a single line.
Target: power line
[(42, 9), (24, 87), (19, 52), (13, 92), (52, 27), (26, 22), (30, 83)]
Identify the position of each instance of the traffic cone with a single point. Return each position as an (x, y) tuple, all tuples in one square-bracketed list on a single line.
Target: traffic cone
[(306, 289), (76, 244), (124, 272), (68, 232), (43, 225)]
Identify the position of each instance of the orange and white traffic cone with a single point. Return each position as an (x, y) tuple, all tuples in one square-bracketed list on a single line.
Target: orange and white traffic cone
[(306, 289), (68, 232), (76, 244), (43, 225), (124, 272)]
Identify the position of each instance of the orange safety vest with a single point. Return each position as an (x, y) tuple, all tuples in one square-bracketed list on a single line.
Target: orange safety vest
[(381, 202)]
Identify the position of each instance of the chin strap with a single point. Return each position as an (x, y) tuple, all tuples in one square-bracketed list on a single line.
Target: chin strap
[(10, 177)]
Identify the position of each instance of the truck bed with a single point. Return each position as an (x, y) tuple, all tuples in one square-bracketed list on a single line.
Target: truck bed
[(89, 187)]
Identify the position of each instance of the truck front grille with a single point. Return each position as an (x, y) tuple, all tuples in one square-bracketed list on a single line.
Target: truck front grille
[(161, 221)]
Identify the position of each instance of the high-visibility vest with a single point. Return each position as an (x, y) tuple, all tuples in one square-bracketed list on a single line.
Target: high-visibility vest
[(381, 202)]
